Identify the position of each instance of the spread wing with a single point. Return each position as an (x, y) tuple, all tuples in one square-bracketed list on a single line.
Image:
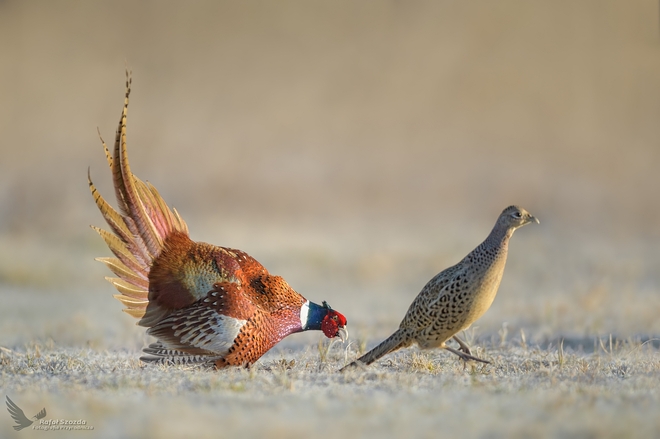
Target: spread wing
[(41, 414), (17, 414)]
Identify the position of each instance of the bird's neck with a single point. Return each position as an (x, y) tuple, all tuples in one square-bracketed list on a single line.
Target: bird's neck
[(312, 314), (498, 240)]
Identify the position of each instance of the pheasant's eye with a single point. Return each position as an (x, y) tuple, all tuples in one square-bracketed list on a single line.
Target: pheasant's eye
[(517, 215), (335, 318)]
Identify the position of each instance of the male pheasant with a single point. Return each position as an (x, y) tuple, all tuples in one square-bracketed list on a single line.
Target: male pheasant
[(203, 303), (456, 297)]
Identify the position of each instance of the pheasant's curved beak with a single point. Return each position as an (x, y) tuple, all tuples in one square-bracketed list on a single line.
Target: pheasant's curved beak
[(533, 219), (342, 333)]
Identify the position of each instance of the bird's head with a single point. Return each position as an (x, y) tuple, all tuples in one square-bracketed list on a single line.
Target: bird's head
[(324, 318), (514, 217)]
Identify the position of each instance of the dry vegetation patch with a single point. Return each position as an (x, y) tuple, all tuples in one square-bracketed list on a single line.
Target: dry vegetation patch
[(550, 392)]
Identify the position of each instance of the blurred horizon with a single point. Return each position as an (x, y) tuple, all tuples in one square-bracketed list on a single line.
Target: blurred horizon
[(356, 148)]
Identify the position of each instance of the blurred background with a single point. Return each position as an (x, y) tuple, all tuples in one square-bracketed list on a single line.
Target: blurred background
[(355, 148)]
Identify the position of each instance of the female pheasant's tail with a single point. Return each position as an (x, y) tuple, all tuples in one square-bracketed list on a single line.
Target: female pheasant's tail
[(400, 339), (139, 228)]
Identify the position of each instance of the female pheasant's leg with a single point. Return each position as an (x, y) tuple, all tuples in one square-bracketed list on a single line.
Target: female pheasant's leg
[(465, 357), (464, 347)]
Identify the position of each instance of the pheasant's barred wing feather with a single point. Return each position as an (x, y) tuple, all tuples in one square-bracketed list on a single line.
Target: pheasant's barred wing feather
[(208, 327), (139, 227), (426, 307), (159, 354)]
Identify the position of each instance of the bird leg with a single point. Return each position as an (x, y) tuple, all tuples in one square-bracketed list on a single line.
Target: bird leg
[(466, 350), (465, 357), (464, 347)]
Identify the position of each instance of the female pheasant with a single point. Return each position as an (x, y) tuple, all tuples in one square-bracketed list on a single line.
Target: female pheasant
[(203, 303), (456, 297)]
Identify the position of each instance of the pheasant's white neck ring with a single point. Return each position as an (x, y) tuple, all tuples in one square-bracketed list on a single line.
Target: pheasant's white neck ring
[(304, 311)]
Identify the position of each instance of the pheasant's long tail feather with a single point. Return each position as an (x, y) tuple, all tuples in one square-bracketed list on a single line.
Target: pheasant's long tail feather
[(401, 338), (138, 228)]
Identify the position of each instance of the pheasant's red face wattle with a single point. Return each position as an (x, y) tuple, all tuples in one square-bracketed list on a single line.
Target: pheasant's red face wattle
[(334, 325)]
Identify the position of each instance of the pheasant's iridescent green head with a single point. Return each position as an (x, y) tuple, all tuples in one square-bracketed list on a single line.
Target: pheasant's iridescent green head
[(324, 318)]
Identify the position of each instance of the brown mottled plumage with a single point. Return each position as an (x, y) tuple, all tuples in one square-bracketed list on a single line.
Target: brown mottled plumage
[(456, 297), (204, 303)]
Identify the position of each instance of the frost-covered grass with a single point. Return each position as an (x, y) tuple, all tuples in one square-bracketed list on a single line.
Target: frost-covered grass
[(573, 354), (527, 391)]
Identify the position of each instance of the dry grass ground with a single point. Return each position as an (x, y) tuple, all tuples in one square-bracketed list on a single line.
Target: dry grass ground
[(356, 149), (526, 392)]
